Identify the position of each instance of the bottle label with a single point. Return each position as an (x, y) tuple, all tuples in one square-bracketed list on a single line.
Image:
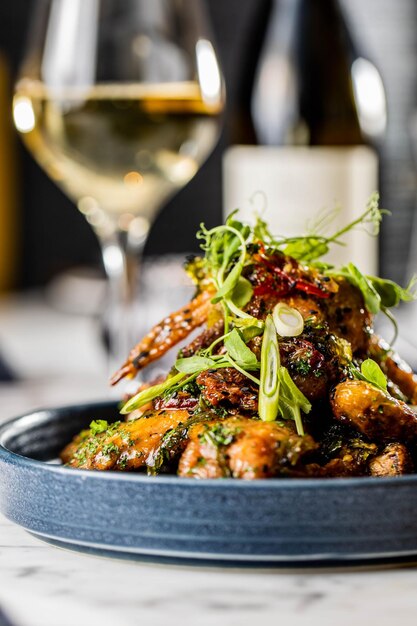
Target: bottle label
[(293, 186)]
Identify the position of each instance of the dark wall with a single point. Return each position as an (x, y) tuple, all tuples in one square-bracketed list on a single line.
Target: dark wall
[(55, 236)]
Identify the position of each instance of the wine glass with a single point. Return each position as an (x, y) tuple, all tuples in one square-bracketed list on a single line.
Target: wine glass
[(120, 102)]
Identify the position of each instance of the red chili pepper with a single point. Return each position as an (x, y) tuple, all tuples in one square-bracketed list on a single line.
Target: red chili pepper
[(268, 289), (268, 286), (312, 290)]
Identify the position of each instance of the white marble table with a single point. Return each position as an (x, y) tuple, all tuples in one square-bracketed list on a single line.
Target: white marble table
[(45, 586)]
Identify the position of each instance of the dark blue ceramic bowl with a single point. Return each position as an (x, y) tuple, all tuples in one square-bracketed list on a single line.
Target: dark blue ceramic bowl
[(266, 522)]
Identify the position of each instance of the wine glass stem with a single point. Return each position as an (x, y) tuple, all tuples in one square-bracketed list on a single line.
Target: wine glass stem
[(122, 261)]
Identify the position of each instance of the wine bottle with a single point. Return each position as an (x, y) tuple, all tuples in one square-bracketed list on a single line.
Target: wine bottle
[(318, 109)]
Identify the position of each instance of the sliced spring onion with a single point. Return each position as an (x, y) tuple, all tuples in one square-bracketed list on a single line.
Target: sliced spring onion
[(288, 321), (292, 400), (270, 362), (145, 396)]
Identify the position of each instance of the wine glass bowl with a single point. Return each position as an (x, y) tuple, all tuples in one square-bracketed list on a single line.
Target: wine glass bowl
[(120, 103)]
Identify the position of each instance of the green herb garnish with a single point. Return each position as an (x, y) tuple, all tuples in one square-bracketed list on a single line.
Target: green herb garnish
[(98, 426), (392, 294), (242, 293), (370, 372), (145, 396), (109, 449), (316, 244), (379, 294), (237, 355), (370, 295), (239, 351), (226, 254), (194, 364), (291, 400), (218, 435)]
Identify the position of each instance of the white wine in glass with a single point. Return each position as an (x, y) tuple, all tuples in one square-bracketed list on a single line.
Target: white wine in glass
[(120, 102)]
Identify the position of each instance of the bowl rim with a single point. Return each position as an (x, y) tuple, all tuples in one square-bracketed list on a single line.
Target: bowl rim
[(25, 420)]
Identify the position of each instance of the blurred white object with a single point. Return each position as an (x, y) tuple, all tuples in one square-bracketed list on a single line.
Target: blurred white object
[(82, 290), (412, 257), (164, 288)]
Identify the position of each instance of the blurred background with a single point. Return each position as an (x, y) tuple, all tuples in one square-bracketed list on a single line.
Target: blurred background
[(39, 224)]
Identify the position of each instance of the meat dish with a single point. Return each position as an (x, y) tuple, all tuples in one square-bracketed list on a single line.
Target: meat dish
[(287, 377)]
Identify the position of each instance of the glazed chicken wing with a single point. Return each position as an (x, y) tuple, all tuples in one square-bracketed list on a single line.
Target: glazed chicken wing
[(122, 445), (242, 448), (170, 331), (348, 317), (394, 460), (239, 447), (396, 369), (373, 412)]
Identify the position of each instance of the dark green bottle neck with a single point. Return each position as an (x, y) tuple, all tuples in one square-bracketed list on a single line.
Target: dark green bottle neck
[(240, 124), (314, 40)]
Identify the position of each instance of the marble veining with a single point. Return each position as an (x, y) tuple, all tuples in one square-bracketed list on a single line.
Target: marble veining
[(45, 586)]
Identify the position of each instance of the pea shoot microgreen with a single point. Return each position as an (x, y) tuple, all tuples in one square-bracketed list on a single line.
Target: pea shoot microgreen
[(315, 244), (379, 294), (292, 400), (145, 396), (370, 372), (371, 297), (239, 351), (237, 354)]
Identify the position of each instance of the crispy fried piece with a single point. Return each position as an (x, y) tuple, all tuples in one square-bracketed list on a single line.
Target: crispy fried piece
[(307, 366), (242, 448), (124, 445), (395, 368), (229, 389), (309, 307), (232, 391), (166, 455), (394, 460), (165, 335), (373, 413), (280, 278), (346, 453), (336, 468), (341, 467), (347, 316), (178, 400), (67, 454), (402, 375), (343, 309)]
